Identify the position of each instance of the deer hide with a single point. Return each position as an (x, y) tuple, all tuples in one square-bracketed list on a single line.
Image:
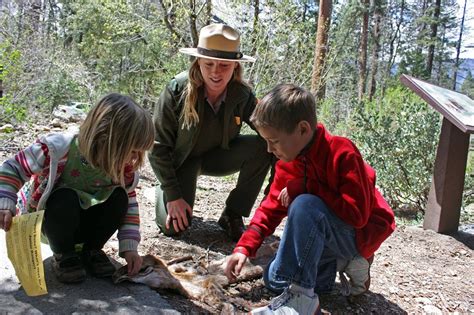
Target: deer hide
[(193, 279)]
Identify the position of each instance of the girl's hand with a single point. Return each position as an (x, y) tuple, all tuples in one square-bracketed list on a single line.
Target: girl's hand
[(235, 262), (284, 197), (5, 220), (178, 211), (134, 262)]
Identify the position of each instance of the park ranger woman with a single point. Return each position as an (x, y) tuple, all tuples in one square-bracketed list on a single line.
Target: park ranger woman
[(198, 119)]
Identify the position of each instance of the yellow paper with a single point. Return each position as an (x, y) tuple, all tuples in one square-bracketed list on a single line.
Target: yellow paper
[(24, 251)]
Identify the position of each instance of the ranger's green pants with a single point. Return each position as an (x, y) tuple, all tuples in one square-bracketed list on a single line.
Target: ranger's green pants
[(247, 154)]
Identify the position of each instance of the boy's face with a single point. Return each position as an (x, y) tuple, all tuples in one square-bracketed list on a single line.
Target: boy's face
[(287, 146)]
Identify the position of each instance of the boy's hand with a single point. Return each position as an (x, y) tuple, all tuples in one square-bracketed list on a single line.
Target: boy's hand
[(235, 262), (284, 197), (5, 220), (134, 262)]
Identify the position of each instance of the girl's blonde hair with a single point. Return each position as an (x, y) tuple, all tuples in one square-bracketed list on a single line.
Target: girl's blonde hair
[(114, 128), (195, 81)]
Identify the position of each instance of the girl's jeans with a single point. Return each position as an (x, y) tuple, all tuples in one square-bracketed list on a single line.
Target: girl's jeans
[(313, 239)]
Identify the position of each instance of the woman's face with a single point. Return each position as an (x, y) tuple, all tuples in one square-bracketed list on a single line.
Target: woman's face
[(216, 74)]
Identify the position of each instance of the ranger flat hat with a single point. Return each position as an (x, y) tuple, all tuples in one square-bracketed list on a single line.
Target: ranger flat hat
[(219, 42)]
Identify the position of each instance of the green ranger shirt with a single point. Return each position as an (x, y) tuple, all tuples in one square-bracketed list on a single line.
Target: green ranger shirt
[(174, 144)]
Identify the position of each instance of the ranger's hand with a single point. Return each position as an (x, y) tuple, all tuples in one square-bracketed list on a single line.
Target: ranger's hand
[(178, 211)]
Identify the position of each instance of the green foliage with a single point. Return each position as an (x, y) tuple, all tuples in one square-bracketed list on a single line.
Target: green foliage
[(413, 63), (468, 195), (468, 85), (123, 44), (331, 114), (9, 67), (283, 41), (398, 137)]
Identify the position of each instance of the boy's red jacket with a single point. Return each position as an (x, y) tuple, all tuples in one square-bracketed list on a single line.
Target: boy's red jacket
[(335, 172)]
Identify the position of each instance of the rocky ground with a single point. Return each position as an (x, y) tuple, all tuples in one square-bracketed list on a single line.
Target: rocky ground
[(415, 271)]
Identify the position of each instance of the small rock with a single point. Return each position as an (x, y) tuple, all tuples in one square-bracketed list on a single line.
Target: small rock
[(432, 310), (73, 112), (233, 291), (7, 128), (56, 123), (423, 300), (227, 308)]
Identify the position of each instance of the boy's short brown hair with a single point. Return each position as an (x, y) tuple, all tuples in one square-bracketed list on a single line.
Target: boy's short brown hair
[(284, 107)]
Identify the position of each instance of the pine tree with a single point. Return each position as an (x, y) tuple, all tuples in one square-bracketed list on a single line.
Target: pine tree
[(468, 85)]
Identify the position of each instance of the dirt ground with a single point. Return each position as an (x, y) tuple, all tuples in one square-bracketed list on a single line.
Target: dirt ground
[(415, 271)]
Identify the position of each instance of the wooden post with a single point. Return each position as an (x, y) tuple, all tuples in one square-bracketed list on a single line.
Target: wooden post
[(445, 196)]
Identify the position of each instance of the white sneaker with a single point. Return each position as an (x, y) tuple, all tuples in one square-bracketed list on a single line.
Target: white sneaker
[(358, 271), (291, 303)]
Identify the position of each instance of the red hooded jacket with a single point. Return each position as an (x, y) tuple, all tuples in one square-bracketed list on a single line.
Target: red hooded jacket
[(333, 170)]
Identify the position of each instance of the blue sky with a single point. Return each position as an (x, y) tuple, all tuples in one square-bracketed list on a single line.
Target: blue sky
[(468, 34)]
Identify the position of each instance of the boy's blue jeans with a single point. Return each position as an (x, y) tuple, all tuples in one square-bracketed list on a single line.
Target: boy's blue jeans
[(313, 238)]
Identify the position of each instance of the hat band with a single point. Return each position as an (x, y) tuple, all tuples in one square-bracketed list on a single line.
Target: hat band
[(219, 53)]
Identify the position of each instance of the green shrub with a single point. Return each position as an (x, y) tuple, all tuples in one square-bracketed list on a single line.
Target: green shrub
[(10, 66), (468, 195), (398, 136)]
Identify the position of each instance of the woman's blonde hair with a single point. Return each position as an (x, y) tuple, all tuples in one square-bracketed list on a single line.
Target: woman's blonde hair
[(114, 128), (195, 81)]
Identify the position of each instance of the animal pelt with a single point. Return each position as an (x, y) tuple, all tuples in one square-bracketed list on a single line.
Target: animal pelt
[(195, 280)]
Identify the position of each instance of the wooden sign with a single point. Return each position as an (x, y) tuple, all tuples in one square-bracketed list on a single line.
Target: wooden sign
[(456, 107), (443, 207)]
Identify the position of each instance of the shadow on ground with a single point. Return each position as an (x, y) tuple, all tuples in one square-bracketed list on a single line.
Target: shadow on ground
[(92, 296), (465, 235)]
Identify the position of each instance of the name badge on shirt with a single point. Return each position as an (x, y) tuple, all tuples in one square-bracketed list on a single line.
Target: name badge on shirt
[(237, 120)]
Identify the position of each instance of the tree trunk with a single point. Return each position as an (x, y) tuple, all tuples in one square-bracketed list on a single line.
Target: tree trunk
[(396, 36), (256, 11), (376, 47), (364, 35), (420, 69), (192, 22), (318, 84), (21, 16), (168, 18), (35, 14), (440, 61), (434, 33), (458, 47), (208, 11)]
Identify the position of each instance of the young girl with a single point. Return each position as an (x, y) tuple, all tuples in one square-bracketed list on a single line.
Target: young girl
[(85, 183)]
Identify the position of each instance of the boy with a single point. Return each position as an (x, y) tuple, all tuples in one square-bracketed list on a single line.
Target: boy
[(337, 219)]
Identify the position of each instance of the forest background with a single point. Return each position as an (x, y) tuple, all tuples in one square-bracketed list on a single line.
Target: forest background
[(349, 53)]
